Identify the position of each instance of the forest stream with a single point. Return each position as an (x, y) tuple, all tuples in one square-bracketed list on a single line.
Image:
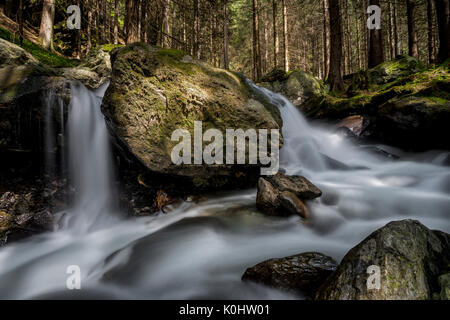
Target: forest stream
[(200, 250)]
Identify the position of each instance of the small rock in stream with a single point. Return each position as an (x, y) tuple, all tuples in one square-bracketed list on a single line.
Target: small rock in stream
[(283, 195), (302, 273)]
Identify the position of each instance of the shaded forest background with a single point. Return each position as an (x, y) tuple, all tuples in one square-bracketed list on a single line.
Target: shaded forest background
[(328, 38)]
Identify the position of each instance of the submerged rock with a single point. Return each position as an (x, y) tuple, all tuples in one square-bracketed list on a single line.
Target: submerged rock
[(413, 262), (285, 195), (154, 92), (302, 273)]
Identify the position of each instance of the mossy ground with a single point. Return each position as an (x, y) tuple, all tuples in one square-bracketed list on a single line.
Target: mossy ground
[(432, 84), (46, 57)]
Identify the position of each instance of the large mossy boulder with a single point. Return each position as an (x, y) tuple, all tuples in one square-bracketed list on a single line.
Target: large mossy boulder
[(391, 70), (302, 273), (154, 92), (413, 264)]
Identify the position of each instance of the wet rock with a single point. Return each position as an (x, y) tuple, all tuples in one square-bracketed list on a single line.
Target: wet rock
[(283, 195), (154, 92), (302, 273), (298, 185), (414, 122), (301, 88), (355, 124), (274, 75), (413, 260)]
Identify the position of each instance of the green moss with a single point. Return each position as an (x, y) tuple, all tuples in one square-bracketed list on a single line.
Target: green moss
[(46, 57), (109, 47)]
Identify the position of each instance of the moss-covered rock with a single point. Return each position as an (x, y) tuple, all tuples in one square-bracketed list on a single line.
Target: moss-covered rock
[(391, 70), (156, 91), (411, 258), (300, 87)]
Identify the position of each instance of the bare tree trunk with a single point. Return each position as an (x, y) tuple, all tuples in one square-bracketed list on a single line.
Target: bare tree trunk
[(358, 32), (430, 31), (20, 20), (326, 38), (143, 21), (397, 43), (132, 13), (225, 36), (116, 21), (46, 29), (89, 26), (275, 34), (256, 43), (335, 73), (375, 43), (413, 50), (285, 37), (442, 10)]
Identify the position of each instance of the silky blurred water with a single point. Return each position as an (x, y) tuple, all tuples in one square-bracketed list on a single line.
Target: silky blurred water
[(201, 250)]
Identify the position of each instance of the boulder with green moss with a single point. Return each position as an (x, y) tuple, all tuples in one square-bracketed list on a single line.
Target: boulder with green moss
[(391, 70), (155, 91), (300, 87), (411, 260)]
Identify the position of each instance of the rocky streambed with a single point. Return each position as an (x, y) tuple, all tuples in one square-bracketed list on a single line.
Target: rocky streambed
[(335, 186)]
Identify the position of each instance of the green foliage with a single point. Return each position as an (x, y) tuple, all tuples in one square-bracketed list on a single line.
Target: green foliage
[(43, 56)]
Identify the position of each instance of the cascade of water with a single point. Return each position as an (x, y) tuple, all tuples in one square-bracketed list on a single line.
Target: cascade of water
[(90, 168), (201, 251)]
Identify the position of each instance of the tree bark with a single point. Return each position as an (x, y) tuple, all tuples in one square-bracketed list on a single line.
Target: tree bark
[(413, 50), (285, 37), (256, 42), (116, 21), (20, 20), (375, 43), (335, 73), (430, 31), (225, 36), (47, 19), (442, 11), (326, 38), (275, 34), (89, 27), (132, 18)]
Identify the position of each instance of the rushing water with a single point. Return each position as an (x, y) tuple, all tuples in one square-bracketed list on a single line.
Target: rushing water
[(201, 250)]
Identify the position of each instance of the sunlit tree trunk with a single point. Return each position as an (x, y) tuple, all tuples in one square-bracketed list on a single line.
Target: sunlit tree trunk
[(46, 29), (413, 50)]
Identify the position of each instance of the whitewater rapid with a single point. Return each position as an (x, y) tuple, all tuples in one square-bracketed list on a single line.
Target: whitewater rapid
[(201, 250)]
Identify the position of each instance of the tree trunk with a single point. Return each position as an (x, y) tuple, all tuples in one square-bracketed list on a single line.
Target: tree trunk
[(326, 38), (256, 43), (413, 50), (46, 29), (275, 34), (375, 43), (89, 27), (397, 43), (116, 21), (20, 21), (335, 73), (285, 37), (225, 36), (132, 18), (430, 31), (196, 30), (143, 21), (442, 10)]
